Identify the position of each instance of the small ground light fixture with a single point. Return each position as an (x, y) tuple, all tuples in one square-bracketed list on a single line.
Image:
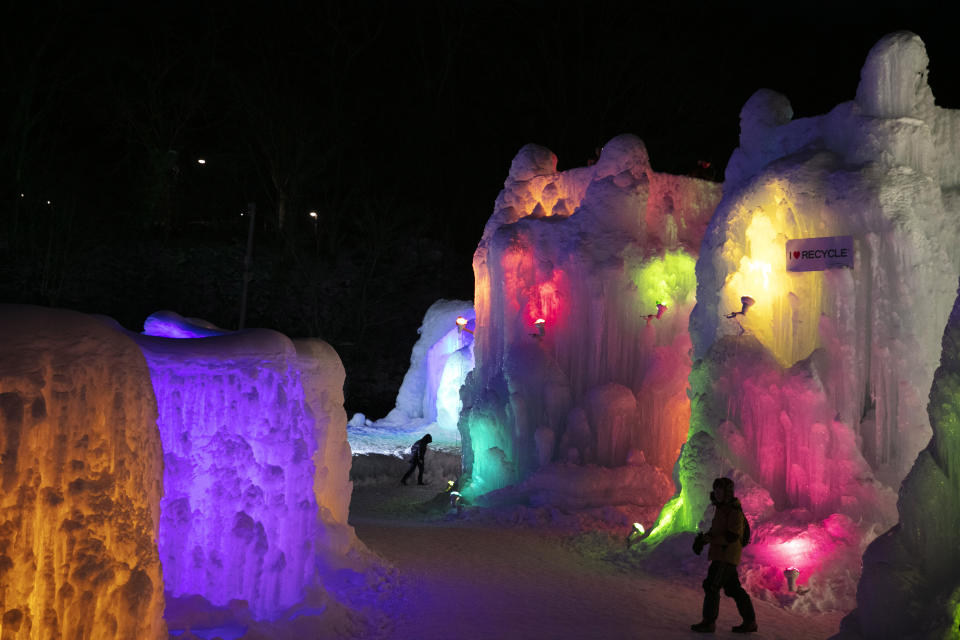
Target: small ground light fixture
[(201, 161), (540, 323), (462, 325), (313, 214), (450, 484), (791, 574), (635, 533)]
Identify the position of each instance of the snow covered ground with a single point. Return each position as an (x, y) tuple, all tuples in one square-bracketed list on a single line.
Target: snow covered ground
[(521, 573), (367, 437)]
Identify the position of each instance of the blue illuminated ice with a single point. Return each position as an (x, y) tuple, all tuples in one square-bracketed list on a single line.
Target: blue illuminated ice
[(429, 397)]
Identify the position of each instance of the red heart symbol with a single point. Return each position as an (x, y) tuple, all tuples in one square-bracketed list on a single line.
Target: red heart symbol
[(796, 254)]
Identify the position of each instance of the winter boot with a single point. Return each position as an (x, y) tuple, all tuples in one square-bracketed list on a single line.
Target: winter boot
[(746, 627), (704, 627)]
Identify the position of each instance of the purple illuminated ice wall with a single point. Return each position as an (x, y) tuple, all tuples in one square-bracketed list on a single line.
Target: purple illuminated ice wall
[(255, 478)]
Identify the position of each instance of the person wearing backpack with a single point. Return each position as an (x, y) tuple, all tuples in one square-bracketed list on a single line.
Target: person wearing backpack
[(728, 534), (417, 451)]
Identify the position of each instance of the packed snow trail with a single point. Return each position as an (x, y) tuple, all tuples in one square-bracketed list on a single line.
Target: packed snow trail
[(466, 580)]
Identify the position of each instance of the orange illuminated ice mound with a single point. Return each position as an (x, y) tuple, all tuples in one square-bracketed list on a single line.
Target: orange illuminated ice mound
[(82, 478)]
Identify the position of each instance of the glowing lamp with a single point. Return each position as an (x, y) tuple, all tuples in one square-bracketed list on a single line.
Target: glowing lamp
[(201, 161), (791, 574), (462, 325), (455, 501), (450, 484), (635, 534), (313, 214), (660, 309), (540, 323)]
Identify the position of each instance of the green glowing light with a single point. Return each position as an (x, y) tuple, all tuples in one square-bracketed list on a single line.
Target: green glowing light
[(670, 280), (492, 453), (665, 524), (954, 632)]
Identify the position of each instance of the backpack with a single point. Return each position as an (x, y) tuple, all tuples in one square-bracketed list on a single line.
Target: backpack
[(745, 536)]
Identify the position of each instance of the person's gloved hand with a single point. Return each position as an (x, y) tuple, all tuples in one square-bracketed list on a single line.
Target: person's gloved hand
[(699, 543)]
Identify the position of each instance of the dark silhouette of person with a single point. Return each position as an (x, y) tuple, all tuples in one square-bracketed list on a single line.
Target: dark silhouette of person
[(417, 451), (725, 538)]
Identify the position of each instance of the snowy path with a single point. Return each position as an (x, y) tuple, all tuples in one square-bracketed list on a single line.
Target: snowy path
[(464, 580)]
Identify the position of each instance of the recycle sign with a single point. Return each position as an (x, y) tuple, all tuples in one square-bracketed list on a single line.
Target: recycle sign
[(818, 254)]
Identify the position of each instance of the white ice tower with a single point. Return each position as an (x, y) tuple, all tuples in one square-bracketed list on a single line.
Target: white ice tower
[(817, 392), (441, 359), (584, 283)]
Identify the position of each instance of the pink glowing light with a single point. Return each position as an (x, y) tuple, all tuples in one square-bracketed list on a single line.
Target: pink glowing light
[(795, 552)]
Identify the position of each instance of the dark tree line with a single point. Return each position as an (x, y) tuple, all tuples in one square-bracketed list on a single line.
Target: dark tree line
[(394, 122)]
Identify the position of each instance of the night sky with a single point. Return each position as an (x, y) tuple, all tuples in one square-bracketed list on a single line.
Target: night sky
[(394, 121)]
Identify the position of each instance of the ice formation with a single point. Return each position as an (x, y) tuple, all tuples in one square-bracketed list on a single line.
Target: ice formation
[(429, 398), (584, 282), (441, 360), (817, 392), (170, 324), (242, 493), (82, 479), (917, 563), (256, 487)]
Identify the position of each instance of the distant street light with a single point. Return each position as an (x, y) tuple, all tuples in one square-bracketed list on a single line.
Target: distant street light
[(201, 161), (247, 262), (316, 232)]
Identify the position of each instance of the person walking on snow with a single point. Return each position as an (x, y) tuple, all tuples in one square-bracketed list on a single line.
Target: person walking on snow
[(726, 537), (417, 452)]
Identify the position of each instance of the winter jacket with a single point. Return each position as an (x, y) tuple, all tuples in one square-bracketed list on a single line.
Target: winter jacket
[(725, 532), (418, 450)]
